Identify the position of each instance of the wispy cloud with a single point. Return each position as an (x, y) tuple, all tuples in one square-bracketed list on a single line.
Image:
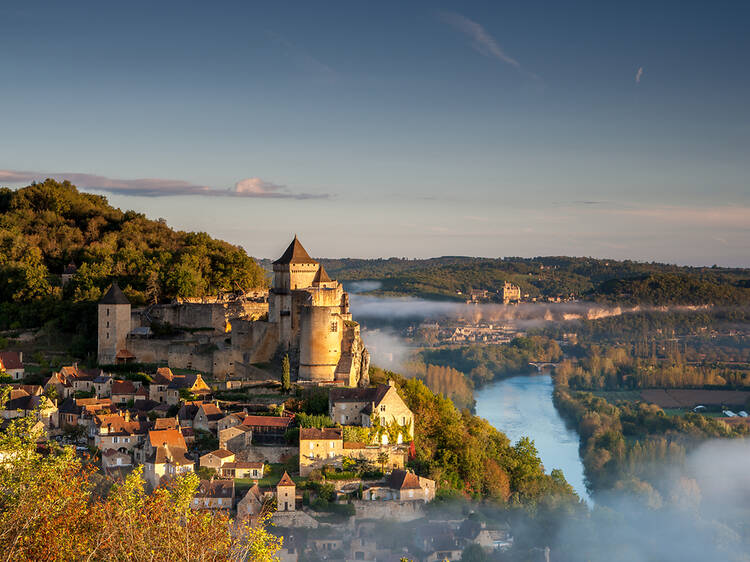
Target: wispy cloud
[(304, 58), (717, 216), (638, 75), (156, 187), (481, 40)]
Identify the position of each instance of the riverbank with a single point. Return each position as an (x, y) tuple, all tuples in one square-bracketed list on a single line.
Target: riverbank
[(522, 406)]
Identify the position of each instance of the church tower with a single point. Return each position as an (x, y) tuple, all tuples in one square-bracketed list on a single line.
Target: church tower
[(114, 325)]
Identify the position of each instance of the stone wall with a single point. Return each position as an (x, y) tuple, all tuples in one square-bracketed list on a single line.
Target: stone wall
[(215, 315), (390, 510), (269, 454)]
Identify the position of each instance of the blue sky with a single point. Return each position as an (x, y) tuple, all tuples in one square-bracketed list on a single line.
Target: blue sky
[(396, 128)]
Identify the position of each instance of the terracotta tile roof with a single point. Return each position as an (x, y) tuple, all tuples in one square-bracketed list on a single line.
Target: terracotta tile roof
[(215, 489), (69, 371), (114, 296), (314, 434), (212, 411), (255, 493), (403, 480), (170, 454), (267, 421), (165, 372), (33, 389), (10, 360), (222, 453), (93, 401), (124, 354), (117, 425), (294, 253), (123, 387), (165, 423), (242, 464), (286, 480), (171, 437)]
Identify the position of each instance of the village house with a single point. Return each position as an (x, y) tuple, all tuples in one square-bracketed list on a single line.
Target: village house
[(237, 439), (207, 417), (117, 431), (192, 383), (230, 420), (11, 363), (214, 494), (71, 379), (490, 539), (252, 504), (63, 388), (102, 385), (402, 485), (28, 400), (366, 406), (161, 391), (319, 447), (215, 459), (268, 429), (164, 455), (241, 469), (112, 459), (123, 392), (69, 413), (68, 273)]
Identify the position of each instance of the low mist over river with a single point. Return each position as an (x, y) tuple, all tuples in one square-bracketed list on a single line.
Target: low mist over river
[(521, 406)]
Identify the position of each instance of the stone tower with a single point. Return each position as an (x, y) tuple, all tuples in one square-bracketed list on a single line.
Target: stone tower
[(286, 490), (114, 325), (294, 270), (322, 320)]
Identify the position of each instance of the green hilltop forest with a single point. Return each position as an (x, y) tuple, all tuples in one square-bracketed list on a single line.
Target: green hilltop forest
[(45, 226), (587, 278)]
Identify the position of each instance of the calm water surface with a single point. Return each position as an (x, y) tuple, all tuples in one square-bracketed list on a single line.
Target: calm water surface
[(522, 406)]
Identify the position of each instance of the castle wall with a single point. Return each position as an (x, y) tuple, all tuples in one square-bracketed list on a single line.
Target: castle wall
[(254, 342), (214, 315)]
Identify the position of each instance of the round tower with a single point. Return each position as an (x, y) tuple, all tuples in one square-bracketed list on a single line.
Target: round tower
[(320, 343), (114, 325)]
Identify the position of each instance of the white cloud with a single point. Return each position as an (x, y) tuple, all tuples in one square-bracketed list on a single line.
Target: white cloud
[(638, 75), (482, 41), (157, 187)]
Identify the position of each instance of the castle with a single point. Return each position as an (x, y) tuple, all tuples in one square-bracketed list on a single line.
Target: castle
[(305, 314)]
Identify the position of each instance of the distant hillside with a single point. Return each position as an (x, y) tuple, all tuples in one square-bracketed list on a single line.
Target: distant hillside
[(596, 279), (45, 226)]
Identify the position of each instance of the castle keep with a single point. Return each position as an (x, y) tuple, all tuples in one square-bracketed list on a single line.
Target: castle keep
[(305, 314)]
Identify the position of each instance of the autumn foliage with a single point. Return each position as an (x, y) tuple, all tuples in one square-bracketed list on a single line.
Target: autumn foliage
[(53, 507)]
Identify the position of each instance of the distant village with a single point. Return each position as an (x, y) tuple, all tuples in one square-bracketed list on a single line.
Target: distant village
[(326, 457)]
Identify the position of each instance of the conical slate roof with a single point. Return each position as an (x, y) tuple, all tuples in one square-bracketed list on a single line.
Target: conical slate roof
[(321, 276), (295, 253), (114, 296)]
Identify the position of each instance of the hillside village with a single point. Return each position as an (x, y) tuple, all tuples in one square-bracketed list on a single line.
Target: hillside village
[(350, 473), (327, 455)]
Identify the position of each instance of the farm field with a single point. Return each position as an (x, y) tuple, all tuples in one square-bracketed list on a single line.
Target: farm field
[(688, 398)]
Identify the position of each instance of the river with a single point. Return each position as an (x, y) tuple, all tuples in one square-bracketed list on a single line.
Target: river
[(522, 406)]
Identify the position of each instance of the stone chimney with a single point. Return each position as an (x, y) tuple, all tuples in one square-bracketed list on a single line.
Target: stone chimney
[(391, 382)]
